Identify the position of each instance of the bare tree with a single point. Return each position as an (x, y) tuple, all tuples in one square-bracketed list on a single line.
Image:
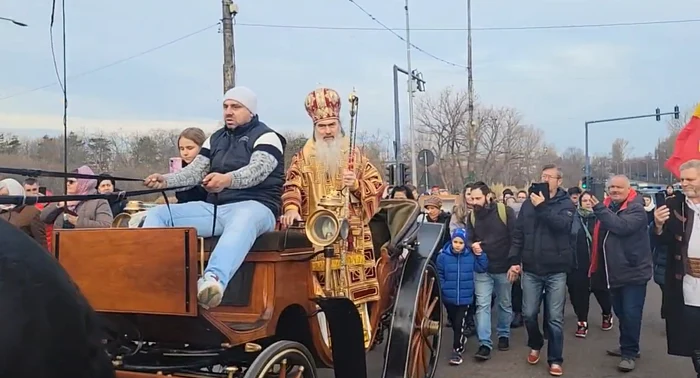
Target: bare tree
[(441, 122)]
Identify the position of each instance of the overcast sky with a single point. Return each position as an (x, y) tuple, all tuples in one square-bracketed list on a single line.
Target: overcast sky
[(557, 78)]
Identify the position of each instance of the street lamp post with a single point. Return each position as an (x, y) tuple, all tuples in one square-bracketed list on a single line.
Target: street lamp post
[(22, 24), (418, 77), (657, 114)]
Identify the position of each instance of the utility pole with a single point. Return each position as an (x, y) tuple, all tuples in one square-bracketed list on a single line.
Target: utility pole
[(470, 92), (229, 10), (418, 77), (412, 137)]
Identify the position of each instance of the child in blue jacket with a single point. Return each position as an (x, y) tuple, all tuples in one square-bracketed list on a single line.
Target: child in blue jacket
[(456, 266)]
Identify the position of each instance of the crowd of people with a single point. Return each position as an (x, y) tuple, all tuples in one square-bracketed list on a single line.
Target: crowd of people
[(513, 253), (523, 252)]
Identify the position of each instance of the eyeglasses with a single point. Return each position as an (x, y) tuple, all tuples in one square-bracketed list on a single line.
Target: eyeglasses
[(547, 177)]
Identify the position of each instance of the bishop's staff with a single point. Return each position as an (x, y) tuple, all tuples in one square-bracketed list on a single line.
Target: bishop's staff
[(348, 244)]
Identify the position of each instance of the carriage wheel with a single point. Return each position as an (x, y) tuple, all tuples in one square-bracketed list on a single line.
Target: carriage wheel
[(427, 327), (283, 359)]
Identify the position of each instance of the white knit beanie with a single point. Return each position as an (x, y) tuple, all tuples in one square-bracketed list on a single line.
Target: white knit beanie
[(244, 96)]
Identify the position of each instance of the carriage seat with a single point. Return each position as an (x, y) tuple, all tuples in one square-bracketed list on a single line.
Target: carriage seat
[(275, 241)]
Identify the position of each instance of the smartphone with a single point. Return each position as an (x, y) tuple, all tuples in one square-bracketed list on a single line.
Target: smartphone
[(598, 190), (659, 199), (175, 165), (42, 190), (540, 187)]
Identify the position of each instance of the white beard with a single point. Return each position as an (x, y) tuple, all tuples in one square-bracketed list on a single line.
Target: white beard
[(329, 155)]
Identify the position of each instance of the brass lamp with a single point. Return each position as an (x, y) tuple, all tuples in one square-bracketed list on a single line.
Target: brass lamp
[(323, 228)]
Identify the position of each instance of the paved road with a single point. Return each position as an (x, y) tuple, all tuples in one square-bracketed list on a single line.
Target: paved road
[(583, 358)]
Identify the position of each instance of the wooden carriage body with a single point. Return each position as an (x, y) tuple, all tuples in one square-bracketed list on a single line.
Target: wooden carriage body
[(143, 283)]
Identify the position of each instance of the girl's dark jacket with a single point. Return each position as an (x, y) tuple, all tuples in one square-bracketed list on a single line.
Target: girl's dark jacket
[(194, 194)]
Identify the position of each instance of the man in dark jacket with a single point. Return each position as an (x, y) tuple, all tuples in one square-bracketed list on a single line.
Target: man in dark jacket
[(622, 256), (489, 229), (541, 244), (241, 166)]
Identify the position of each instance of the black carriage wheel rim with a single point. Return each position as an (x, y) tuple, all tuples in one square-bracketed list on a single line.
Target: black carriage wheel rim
[(292, 361), (424, 342)]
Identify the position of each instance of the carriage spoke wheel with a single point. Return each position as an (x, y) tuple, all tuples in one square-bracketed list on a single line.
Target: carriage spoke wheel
[(283, 359), (285, 369), (427, 327)]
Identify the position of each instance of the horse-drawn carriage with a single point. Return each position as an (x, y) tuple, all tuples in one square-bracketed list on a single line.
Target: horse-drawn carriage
[(273, 321)]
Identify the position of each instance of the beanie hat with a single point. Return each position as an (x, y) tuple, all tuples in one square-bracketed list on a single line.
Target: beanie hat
[(459, 233), (433, 201), (244, 96)]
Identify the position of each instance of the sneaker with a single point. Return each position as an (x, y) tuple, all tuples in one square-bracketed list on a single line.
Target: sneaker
[(503, 343), (456, 358), (617, 353), (556, 370), (582, 330), (534, 357), (607, 324), (626, 365), (209, 291), (483, 354)]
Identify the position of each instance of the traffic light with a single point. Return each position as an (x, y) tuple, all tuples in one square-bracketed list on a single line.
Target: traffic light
[(658, 114), (404, 173), (676, 112), (390, 174), (586, 182), (420, 83)]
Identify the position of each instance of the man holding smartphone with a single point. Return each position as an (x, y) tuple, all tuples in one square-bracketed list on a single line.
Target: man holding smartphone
[(540, 242)]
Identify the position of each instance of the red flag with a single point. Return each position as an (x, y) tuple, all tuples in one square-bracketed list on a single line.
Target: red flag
[(687, 145)]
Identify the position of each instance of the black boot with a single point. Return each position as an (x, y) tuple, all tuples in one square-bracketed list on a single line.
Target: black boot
[(470, 328), (517, 320), (696, 361)]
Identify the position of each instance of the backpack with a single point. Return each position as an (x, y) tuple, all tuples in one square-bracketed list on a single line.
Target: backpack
[(500, 207)]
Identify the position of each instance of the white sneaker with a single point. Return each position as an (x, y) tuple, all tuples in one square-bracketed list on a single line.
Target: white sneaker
[(209, 291)]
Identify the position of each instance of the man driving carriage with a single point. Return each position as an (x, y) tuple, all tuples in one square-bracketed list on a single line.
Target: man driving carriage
[(323, 168), (242, 168)]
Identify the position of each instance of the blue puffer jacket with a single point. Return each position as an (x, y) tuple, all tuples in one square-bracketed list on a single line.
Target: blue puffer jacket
[(456, 271)]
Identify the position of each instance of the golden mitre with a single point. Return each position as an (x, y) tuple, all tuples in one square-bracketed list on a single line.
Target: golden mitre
[(323, 104)]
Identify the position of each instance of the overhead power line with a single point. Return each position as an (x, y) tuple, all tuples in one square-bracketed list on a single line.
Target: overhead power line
[(357, 28), (116, 62), (488, 28), (399, 36)]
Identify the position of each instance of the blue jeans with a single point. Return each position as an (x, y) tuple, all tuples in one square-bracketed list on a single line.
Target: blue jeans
[(485, 284), (238, 225), (554, 287), (628, 304)]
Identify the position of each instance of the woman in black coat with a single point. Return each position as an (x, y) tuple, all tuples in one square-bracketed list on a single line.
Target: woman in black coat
[(578, 282)]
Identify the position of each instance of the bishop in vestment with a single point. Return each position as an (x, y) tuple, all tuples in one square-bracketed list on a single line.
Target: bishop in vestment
[(321, 168)]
